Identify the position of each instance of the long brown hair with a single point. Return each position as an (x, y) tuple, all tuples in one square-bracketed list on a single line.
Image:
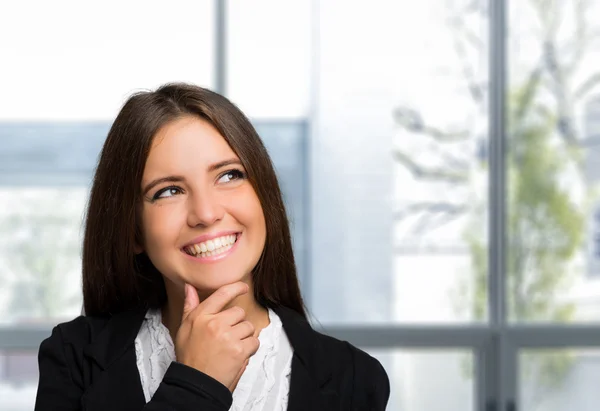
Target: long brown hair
[(115, 279)]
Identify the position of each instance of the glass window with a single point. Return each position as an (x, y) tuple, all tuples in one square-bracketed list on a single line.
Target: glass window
[(552, 164), (399, 167), (268, 55), (66, 75), (70, 60), (559, 379), (18, 379), (433, 380), (40, 264)]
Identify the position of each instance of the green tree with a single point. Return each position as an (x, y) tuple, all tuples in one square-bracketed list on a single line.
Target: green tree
[(544, 161), (544, 232)]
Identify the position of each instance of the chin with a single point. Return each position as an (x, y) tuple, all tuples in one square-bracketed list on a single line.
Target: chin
[(212, 284)]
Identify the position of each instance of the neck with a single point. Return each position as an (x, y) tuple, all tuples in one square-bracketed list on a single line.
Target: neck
[(172, 311)]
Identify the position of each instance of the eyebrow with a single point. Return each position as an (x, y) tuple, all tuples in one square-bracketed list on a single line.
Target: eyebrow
[(178, 179), (221, 164)]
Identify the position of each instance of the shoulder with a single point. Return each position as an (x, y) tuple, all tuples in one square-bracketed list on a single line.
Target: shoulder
[(352, 371), (71, 339), (357, 372), (68, 339), (344, 353), (60, 360), (79, 331), (117, 330)]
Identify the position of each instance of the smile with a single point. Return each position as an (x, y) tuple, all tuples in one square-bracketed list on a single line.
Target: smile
[(211, 248)]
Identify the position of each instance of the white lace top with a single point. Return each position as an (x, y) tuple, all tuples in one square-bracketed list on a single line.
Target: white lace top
[(264, 385)]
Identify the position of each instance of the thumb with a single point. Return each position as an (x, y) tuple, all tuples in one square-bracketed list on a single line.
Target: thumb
[(191, 300)]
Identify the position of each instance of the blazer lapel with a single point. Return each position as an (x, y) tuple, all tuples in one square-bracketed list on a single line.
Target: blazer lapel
[(114, 381), (305, 394), (311, 371), (116, 389)]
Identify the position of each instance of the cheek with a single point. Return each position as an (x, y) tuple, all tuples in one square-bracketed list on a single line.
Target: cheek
[(160, 227), (246, 209), (261, 223), (256, 215)]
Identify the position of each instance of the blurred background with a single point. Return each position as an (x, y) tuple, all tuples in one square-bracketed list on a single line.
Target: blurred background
[(439, 161)]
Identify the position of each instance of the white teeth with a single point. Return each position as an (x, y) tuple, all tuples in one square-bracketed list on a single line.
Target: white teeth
[(212, 247)]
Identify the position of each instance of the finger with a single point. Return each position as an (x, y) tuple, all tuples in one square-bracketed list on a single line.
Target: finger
[(242, 330), (250, 345), (223, 296), (232, 315), (191, 300)]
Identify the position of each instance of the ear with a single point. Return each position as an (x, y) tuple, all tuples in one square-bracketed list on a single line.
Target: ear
[(138, 249), (138, 241)]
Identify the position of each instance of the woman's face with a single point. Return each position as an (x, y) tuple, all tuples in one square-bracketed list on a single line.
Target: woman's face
[(202, 222)]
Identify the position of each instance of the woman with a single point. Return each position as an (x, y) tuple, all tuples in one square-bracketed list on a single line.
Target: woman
[(190, 289)]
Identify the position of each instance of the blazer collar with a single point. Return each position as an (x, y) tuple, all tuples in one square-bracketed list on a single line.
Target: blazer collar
[(116, 336), (306, 344), (122, 328), (311, 368)]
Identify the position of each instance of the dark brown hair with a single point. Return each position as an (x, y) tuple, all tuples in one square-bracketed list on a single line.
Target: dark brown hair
[(115, 279)]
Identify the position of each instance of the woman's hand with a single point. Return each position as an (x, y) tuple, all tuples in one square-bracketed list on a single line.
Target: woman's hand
[(218, 343)]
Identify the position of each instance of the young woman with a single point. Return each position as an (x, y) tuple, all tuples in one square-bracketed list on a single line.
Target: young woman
[(189, 282)]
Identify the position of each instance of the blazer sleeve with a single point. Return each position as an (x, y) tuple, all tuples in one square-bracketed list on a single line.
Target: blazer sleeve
[(371, 385), (60, 386)]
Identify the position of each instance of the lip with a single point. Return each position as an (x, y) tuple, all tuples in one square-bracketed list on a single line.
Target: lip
[(214, 258), (206, 237)]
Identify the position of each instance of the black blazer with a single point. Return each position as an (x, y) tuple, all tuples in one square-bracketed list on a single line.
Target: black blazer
[(90, 364)]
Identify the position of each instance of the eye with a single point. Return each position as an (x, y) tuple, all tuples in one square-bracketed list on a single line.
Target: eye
[(231, 175), (167, 192)]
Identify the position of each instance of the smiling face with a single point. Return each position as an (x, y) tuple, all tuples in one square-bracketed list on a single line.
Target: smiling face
[(201, 220)]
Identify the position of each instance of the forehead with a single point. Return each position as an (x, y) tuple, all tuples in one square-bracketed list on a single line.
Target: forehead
[(186, 144)]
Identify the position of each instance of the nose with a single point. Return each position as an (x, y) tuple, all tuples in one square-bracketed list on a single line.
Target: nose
[(204, 210)]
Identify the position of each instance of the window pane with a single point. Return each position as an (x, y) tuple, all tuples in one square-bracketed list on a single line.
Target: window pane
[(433, 380), (40, 265), (268, 57), (18, 379), (399, 162), (557, 380), (552, 162), (71, 60), (77, 71), (286, 142)]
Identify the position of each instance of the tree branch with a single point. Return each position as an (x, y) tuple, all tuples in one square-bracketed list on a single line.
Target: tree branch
[(411, 120), (529, 93), (431, 207), (475, 90), (584, 88), (430, 173), (581, 37), (565, 123)]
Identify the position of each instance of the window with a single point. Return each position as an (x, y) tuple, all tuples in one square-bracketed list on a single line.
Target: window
[(438, 161)]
